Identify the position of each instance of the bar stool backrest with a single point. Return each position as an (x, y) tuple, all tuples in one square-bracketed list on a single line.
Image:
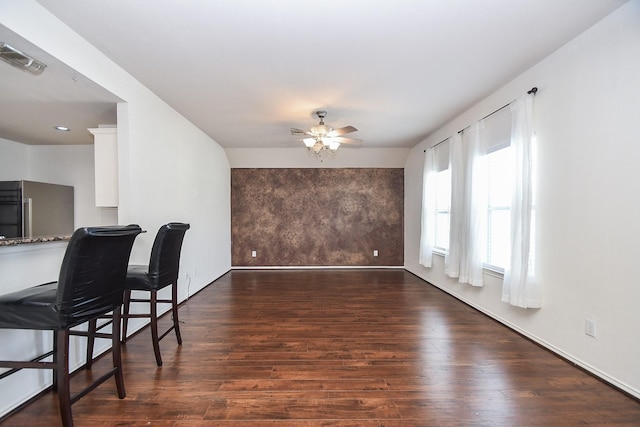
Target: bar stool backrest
[(165, 254), (93, 271)]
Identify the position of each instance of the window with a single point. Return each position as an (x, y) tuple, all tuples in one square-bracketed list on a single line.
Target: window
[(500, 181), (501, 176), (474, 181), (496, 140), (442, 208)]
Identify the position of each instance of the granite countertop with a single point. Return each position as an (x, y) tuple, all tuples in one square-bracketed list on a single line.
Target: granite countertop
[(41, 239)]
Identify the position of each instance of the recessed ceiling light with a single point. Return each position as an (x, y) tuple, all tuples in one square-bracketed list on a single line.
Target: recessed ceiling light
[(62, 128)]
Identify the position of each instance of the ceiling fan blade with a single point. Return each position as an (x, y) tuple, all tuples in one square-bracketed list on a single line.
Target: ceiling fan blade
[(354, 142), (295, 131), (343, 131)]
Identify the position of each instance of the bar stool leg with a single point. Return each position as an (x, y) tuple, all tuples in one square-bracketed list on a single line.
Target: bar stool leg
[(54, 386), (125, 314), (62, 371), (117, 354), (154, 326), (91, 339), (174, 312)]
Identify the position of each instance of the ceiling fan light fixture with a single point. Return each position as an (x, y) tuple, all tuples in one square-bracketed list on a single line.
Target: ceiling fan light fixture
[(20, 60), (320, 130), (317, 147), (323, 141)]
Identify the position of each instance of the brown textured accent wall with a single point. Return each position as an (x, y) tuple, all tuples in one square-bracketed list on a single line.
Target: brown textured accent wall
[(317, 217)]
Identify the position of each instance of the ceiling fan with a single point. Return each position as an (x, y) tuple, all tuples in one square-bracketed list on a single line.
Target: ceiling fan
[(321, 137)]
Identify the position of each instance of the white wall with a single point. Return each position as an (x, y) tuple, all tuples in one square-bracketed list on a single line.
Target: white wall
[(14, 159), (168, 169), (588, 233), (298, 157), (71, 165), (58, 164)]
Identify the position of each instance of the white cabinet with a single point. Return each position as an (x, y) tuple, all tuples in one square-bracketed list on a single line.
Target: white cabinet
[(106, 165)]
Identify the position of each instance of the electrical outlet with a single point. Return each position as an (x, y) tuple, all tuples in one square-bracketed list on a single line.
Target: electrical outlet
[(590, 328), (254, 254), (375, 252)]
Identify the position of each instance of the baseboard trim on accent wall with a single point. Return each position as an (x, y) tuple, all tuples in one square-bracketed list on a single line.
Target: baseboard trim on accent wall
[(316, 267), (602, 376)]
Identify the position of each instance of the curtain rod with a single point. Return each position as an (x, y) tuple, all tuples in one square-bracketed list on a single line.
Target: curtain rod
[(532, 91)]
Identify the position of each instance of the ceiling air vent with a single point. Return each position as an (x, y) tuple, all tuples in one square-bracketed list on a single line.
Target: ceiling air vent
[(20, 60)]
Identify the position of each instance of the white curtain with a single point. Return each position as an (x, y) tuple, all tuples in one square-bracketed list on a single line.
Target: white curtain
[(476, 209), (467, 244), (428, 224), (456, 210), (519, 287)]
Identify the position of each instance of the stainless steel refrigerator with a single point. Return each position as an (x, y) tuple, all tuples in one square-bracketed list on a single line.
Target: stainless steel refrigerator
[(34, 209)]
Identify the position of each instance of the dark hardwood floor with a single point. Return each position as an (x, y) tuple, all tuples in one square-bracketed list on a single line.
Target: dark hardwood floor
[(339, 348)]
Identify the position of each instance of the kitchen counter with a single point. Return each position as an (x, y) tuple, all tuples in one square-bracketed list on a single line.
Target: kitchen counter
[(14, 241)]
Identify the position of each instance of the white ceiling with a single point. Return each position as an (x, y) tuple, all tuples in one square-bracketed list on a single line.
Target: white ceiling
[(246, 71), (30, 106)]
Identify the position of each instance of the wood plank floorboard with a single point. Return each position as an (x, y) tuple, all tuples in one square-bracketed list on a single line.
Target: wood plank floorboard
[(314, 348)]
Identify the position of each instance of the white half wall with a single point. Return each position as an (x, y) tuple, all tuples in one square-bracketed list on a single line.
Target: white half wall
[(588, 234)]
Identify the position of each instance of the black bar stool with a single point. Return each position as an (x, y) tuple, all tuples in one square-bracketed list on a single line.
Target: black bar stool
[(90, 285), (161, 272)]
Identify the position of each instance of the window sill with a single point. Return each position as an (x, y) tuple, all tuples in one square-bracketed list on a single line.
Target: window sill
[(488, 269), (492, 270)]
